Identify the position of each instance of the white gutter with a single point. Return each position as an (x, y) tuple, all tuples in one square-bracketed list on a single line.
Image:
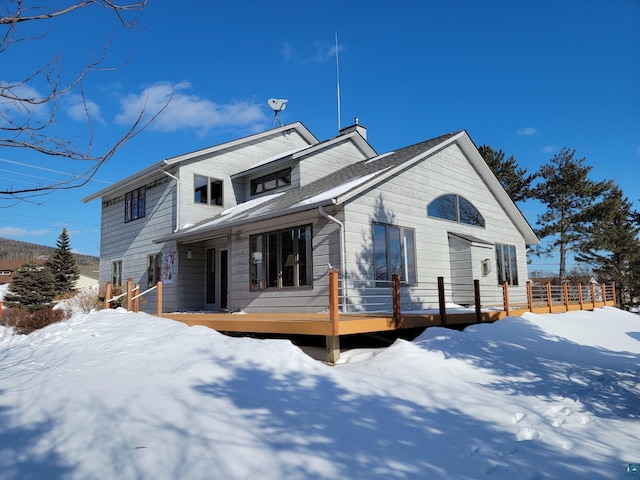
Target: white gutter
[(343, 261), (177, 199)]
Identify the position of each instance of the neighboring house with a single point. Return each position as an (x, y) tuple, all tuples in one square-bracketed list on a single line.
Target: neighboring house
[(9, 267), (88, 277), (255, 224)]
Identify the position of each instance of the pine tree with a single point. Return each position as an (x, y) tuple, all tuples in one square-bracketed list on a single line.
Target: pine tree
[(32, 288), (612, 247), (515, 180), (566, 192), (62, 264)]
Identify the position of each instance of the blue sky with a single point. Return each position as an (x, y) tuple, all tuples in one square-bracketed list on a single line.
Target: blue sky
[(527, 77)]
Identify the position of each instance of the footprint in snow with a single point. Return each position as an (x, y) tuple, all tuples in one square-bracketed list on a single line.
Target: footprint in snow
[(471, 451), (518, 417), (527, 434)]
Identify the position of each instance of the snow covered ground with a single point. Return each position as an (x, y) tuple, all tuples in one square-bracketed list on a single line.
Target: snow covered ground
[(117, 395)]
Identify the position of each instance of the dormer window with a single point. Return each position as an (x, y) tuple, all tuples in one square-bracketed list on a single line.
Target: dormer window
[(207, 191), (456, 209), (271, 181)]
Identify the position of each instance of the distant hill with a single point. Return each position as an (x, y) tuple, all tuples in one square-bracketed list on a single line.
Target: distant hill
[(16, 250)]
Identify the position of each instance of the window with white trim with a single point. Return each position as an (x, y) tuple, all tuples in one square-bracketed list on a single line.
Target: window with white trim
[(271, 181), (507, 265), (116, 273), (135, 204), (456, 209), (207, 191), (281, 259), (394, 253), (154, 267)]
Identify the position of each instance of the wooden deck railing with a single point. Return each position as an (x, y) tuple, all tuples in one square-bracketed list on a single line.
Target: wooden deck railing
[(545, 298), (336, 322), (132, 299)]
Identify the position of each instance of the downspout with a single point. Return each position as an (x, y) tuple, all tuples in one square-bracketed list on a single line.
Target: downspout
[(177, 199), (343, 262)]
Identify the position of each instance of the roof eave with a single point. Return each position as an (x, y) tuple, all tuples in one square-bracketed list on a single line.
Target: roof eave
[(149, 171), (394, 170), (512, 210), (206, 232)]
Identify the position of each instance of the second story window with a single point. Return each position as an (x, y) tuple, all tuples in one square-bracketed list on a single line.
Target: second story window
[(207, 191), (271, 181), (135, 204)]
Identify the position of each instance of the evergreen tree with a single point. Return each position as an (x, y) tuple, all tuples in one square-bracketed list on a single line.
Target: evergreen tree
[(566, 192), (612, 247), (32, 288), (515, 180), (62, 264)]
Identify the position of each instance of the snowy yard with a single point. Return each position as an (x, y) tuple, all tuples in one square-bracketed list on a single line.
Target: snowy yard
[(117, 395)]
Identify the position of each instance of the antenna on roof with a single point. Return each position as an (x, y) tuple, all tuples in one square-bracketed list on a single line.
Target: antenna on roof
[(338, 80), (277, 105)]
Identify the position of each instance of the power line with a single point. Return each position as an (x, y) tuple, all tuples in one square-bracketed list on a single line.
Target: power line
[(52, 219), (45, 169)]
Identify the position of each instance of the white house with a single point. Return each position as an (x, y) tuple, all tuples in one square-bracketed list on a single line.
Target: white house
[(255, 224)]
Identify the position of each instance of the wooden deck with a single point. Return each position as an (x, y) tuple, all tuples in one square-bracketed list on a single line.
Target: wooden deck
[(333, 324), (351, 323)]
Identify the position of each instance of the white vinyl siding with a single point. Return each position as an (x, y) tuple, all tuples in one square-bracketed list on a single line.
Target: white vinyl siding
[(403, 200)]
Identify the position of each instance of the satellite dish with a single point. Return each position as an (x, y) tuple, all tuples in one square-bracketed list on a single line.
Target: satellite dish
[(277, 105)]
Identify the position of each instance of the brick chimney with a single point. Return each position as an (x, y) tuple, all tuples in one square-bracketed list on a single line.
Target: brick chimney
[(356, 127)]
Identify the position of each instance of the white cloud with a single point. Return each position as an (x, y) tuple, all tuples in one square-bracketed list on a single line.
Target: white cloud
[(287, 51), (76, 109), (550, 148), (326, 52), (527, 131), (18, 111), (15, 232), (186, 111)]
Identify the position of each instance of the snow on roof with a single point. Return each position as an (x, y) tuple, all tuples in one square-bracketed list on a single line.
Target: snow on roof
[(235, 211), (338, 190)]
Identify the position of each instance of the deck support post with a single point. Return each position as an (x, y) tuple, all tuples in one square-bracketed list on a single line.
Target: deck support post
[(107, 295), (333, 349), (476, 299), (136, 300), (593, 296), (129, 294), (441, 302), (549, 299), (505, 297), (159, 299), (397, 315), (580, 297), (565, 294), (530, 295), (333, 340)]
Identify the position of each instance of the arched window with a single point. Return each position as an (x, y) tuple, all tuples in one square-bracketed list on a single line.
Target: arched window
[(455, 208)]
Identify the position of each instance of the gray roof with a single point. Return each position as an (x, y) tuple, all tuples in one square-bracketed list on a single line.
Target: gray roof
[(322, 192)]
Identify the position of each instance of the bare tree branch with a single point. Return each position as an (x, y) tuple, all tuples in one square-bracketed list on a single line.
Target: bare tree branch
[(28, 117)]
